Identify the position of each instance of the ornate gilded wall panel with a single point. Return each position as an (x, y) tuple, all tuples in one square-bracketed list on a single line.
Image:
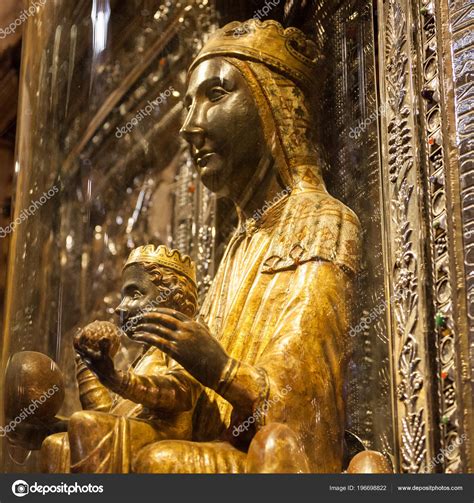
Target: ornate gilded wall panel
[(406, 236), (456, 42), (194, 222), (435, 176)]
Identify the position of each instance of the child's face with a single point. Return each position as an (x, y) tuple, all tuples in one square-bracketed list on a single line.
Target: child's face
[(139, 294)]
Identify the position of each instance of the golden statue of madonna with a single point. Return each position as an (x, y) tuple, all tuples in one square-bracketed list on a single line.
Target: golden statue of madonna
[(277, 316), (255, 382)]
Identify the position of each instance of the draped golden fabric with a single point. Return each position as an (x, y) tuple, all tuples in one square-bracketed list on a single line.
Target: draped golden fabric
[(124, 429), (291, 320)]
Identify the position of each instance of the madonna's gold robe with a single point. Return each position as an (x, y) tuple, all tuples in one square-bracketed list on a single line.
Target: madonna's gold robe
[(281, 303)]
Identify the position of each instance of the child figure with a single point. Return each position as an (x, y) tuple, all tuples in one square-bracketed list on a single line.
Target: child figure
[(154, 400)]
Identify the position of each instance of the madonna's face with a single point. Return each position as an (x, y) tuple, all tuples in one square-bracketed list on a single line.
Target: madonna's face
[(222, 127)]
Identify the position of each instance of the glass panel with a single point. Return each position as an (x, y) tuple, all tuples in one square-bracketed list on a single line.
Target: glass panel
[(355, 179), (100, 166)]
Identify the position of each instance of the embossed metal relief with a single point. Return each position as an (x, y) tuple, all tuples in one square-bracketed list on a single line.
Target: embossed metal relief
[(459, 51), (402, 199), (194, 225), (442, 298)]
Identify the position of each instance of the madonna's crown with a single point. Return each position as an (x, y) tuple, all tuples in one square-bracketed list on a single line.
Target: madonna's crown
[(288, 50), (165, 257)]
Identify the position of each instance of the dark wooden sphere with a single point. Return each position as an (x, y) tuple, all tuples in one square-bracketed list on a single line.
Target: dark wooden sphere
[(34, 387)]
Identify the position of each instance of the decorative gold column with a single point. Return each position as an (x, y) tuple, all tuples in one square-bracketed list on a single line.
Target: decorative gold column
[(406, 237), (456, 47), (428, 187)]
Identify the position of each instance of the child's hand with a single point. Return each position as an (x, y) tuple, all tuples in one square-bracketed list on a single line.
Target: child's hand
[(187, 341), (99, 361), (96, 345)]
